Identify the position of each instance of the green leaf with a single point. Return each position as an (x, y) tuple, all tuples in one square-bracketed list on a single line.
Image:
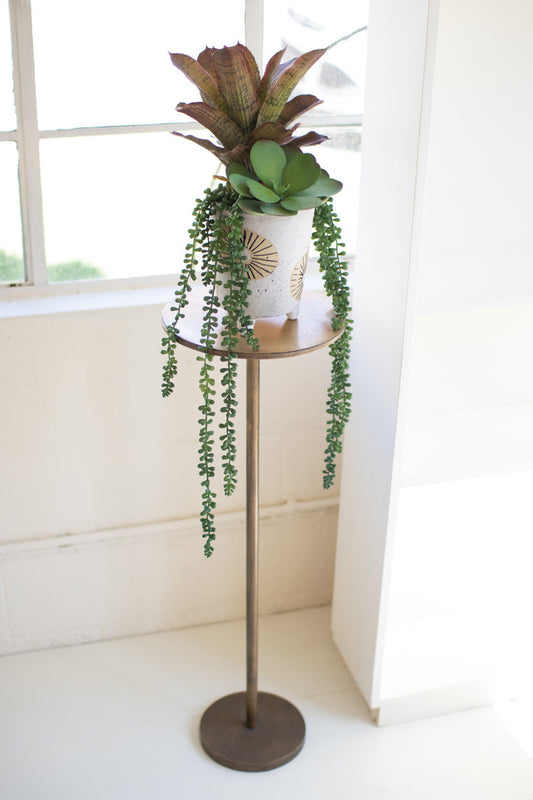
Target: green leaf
[(301, 202), (240, 184), (323, 187), (268, 161), (237, 167), (276, 210), (301, 172), (262, 192), (250, 204)]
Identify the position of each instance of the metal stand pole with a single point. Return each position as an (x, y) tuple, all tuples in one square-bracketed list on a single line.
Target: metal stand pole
[(252, 731), (252, 525)]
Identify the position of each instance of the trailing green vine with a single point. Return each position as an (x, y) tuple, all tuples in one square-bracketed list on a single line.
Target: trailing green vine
[(327, 236), (217, 233), (216, 243)]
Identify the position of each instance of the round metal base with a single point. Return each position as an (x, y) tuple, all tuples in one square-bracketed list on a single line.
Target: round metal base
[(276, 739)]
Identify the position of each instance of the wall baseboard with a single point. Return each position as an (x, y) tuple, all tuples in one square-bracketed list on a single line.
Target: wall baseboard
[(106, 584)]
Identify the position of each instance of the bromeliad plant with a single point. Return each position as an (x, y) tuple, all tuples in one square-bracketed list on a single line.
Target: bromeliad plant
[(239, 107), (266, 173)]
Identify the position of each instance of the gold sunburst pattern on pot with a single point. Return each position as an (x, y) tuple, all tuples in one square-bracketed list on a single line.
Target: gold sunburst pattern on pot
[(262, 257), (297, 277)]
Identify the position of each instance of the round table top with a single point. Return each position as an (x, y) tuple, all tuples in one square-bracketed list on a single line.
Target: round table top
[(279, 337)]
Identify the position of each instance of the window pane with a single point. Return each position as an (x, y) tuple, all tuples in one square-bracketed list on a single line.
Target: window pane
[(119, 206), (341, 157), (7, 104), (106, 62), (303, 25), (11, 261)]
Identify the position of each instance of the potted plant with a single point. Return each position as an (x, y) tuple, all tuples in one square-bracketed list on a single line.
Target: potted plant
[(237, 239)]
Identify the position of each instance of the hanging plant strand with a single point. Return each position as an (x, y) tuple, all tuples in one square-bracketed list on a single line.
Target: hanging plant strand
[(334, 268), (217, 233)]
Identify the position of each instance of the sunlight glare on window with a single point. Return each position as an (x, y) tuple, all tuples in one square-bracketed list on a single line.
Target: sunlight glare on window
[(107, 63), (7, 104), (302, 25), (120, 206)]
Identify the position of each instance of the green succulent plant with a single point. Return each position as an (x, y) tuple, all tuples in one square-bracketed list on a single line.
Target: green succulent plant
[(239, 107), (283, 182)]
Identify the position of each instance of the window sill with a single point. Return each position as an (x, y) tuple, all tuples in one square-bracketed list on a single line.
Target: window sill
[(60, 298), (27, 301)]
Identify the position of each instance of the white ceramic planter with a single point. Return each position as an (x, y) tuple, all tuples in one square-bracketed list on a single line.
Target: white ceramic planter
[(276, 251)]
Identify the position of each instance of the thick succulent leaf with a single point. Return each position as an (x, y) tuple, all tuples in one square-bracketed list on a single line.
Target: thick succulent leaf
[(323, 187), (240, 169), (240, 184), (261, 192), (269, 74), (308, 139), (301, 172), (237, 85), (250, 204), (300, 202), (201, 79), (297, 106), (268, 161), (288, 77), (276, 210), (226, 131)]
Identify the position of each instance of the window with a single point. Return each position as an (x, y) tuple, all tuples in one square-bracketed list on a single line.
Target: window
[(93, 184)]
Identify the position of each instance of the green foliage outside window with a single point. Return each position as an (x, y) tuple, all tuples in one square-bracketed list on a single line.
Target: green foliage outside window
[(12, 270)]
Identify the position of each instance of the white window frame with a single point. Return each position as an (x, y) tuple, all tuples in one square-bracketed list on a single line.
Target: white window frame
[(401, 55), (27, 137)]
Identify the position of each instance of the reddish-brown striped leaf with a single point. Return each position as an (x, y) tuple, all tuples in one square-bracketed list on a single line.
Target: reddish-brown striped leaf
[(201, 79), (205, 59), (236, 85), (252, 63), (227, 133), (297, 106), (205, 143), (309, 139), (286, 80), (269, 75), (270, 130)]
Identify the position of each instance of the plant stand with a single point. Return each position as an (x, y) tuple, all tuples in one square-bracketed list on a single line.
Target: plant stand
[(255, 731)]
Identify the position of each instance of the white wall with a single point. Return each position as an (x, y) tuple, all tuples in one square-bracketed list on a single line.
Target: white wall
[(464, 526), (100, 497), (451, 553)]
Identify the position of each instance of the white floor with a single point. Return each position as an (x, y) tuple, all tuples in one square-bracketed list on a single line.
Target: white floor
[(119, 720)]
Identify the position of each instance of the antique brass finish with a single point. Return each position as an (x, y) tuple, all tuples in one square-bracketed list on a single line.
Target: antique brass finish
[(279, 337), (252, 517)]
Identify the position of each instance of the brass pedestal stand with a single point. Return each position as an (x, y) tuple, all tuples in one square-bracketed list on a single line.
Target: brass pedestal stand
[(255, 731)]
